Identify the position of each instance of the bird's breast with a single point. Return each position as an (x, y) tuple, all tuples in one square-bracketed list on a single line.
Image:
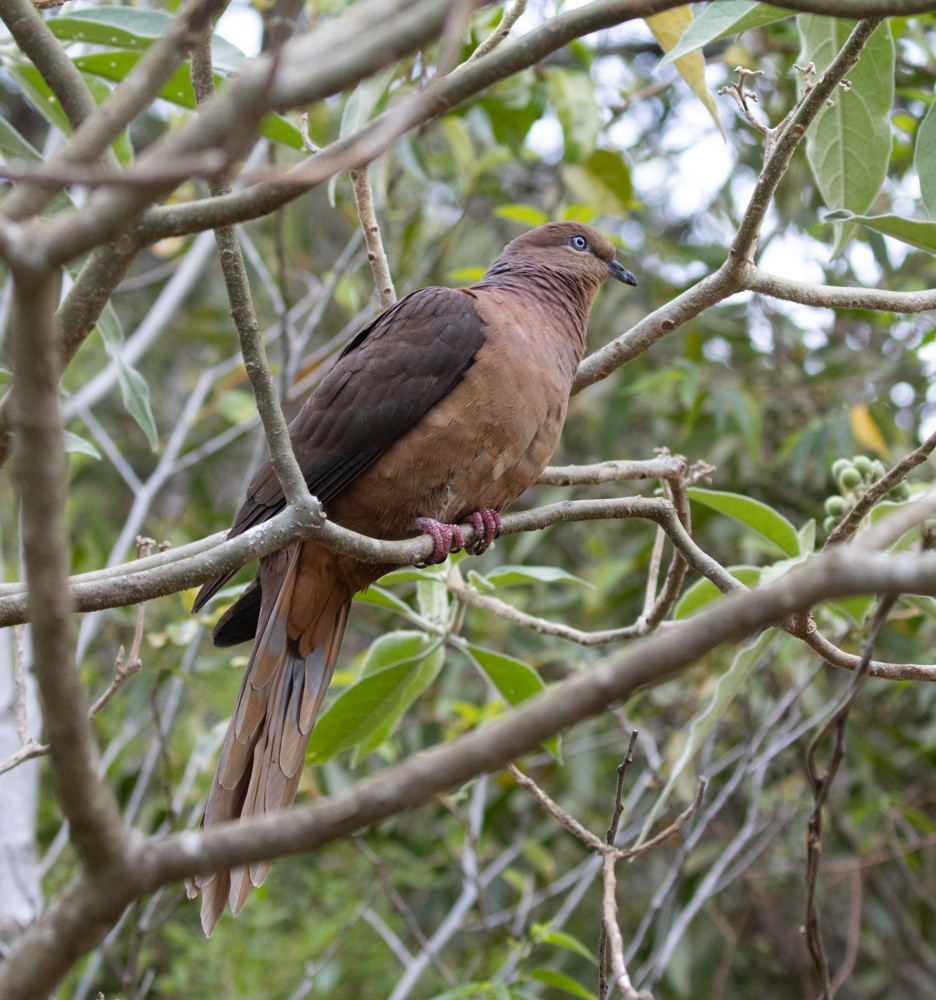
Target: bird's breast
[(484, 443)]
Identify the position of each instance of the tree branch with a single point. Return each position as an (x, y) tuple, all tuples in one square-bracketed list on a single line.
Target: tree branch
[(835, 297), (39, 471), (79, 917), (275, 429)]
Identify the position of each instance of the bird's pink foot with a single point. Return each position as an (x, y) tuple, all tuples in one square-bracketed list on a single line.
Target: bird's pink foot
[(487, 525), (447, 538)]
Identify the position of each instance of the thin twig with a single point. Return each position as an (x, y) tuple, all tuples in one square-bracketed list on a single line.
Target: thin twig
[(610, 837), (879, 489), (19, 683), (510, 18), (244, 315), (376, 255), (821, 785)]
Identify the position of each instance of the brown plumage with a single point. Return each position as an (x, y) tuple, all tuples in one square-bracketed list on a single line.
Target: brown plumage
[(444, 409)]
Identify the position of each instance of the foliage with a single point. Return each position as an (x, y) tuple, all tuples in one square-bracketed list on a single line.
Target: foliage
[(482, 894)]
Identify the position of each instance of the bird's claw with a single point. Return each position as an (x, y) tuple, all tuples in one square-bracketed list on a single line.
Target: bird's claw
[(487, 525), (448, 538)]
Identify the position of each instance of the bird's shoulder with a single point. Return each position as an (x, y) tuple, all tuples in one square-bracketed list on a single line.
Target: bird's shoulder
[(389, 376)]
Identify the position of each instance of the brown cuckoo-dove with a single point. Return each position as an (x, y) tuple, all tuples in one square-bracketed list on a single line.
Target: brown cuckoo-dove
[(443, 410)]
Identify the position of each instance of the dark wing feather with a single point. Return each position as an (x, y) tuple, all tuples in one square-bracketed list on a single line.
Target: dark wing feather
[(385, 380)]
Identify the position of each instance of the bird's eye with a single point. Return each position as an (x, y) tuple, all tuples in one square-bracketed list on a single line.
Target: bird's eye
[(579, 243)]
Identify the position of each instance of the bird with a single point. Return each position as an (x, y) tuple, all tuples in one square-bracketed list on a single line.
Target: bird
[(440, 412)]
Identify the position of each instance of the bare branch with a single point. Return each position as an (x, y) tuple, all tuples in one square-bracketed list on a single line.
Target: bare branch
[(838, 297), (510, 18), (39, 471), (279, 443), (821, 784)]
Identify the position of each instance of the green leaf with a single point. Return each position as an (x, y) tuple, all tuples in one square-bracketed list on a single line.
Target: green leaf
[(465, 275), (924, 159), (727, 688), (921, 235), (410, 574), (391, 648), (468, 991), (37, 91), (366, 714), (547, 934), (514, 680), (380, 598), (134, 392), (719, 20), (131, 28), (560, 981), (602, 181), (529, 215), (133, 388), (572, 94), (849, 145), (359, 107), (763, 519), (77, 445), (14, 147), (703, 591), (178, 90), (517, 576)]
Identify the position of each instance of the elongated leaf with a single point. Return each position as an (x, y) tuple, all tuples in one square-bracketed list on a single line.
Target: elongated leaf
[(560, 981), (763, 519), (424, 673), (360, 106), (514, 576), (727, 688), (849, 145), (513, 679), (921, 235), (118, 64), (703, 591), (529, 215), (367, 713), (37, 92), (133, 388), (381, 598), (668, 28), (865, 430), (924, 159), (401, 646), (547, 934), (14, 147), (719, 20), (469, 991), (602, 181), (132, 28), (134, 391), (77, 445)]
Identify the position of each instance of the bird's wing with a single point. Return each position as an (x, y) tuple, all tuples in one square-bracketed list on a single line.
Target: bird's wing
[(392, 373)]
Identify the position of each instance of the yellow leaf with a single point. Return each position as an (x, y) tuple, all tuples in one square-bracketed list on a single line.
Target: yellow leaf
[(865, 431), (668, 28)]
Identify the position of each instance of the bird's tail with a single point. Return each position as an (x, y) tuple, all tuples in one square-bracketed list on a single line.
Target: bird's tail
[(264, 749)]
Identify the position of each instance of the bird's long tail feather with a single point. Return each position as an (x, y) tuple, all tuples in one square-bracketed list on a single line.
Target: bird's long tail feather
[(264, 748)]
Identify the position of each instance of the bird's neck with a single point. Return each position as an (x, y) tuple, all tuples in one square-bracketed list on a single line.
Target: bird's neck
[(543, 288)]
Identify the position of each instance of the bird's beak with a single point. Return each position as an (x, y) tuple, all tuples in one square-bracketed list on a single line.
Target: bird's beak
[(620, 272)]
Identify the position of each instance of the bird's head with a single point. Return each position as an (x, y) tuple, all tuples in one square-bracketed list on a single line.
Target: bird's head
[(571, 249)]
